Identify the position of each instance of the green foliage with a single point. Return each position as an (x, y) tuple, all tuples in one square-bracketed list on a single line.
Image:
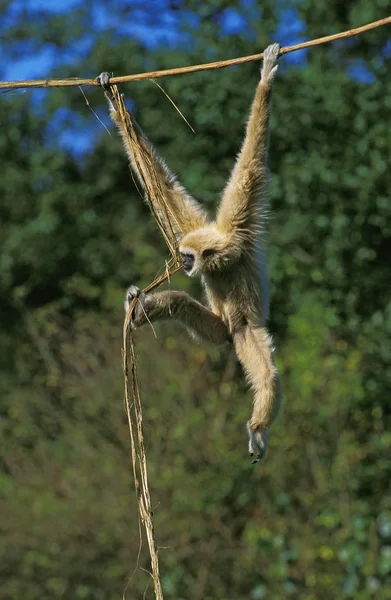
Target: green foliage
[(314, 519)]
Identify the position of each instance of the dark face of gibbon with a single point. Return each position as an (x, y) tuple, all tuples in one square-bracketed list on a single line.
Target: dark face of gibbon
[(195, 263)]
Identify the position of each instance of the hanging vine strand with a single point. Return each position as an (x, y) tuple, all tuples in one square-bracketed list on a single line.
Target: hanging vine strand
[(156, 200)]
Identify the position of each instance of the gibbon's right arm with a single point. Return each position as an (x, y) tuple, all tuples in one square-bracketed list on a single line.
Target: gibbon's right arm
[(177, 306), (185, 213), (242, 207)]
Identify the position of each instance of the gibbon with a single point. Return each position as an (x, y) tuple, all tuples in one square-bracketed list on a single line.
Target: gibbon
[(226, 252)]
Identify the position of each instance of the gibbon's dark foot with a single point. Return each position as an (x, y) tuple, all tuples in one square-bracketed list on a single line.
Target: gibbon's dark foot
[(257, 444), (131, 293), (104, 81), (270, 66)]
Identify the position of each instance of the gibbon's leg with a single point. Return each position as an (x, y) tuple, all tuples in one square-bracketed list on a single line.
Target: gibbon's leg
[(241, 207), (254, 350), (178, 306), (185, 213)]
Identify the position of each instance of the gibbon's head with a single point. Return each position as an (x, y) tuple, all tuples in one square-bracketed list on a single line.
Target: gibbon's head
[(206, 250)]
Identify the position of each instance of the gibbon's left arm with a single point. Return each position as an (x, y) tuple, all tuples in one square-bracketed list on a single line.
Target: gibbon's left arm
[(177, 306), (185, 213), (241, 208)]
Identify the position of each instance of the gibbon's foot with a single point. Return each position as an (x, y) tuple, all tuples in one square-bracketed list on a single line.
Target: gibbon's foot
[(270, 66), (131, 293), (257, 443), (104, 81)]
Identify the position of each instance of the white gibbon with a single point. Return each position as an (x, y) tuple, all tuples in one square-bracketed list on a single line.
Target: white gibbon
[(227, 254)]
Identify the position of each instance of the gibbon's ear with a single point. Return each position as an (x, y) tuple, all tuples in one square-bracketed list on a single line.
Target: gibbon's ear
[(208, 252)]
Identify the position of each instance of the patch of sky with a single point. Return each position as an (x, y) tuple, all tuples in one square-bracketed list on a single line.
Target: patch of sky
[(71, 132), (387, 49), (152, 25), (49, 6), (18, 8), (359, 71), (232, 22), (38, 63), (249, 4), (76, 143), (289, 31), (30, 65)]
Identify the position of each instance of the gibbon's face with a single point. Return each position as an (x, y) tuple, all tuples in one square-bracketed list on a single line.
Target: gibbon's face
[(195, 263), (204, 250)]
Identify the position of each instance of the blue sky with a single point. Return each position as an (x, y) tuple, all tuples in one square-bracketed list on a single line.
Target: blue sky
[(155, 16), (165, 30), (152, 23)]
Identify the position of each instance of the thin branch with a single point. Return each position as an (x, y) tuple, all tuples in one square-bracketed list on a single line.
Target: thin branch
[(46, 83), (173, 103)]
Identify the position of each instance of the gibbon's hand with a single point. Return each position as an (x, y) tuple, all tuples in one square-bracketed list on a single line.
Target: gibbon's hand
[(139, 313), (104, 80), (270, 66)]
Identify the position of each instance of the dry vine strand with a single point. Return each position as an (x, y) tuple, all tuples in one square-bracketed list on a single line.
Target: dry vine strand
[(155, 197), (45, 83)]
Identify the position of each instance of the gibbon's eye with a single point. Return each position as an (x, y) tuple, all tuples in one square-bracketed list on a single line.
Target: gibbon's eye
[(208, 252)]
